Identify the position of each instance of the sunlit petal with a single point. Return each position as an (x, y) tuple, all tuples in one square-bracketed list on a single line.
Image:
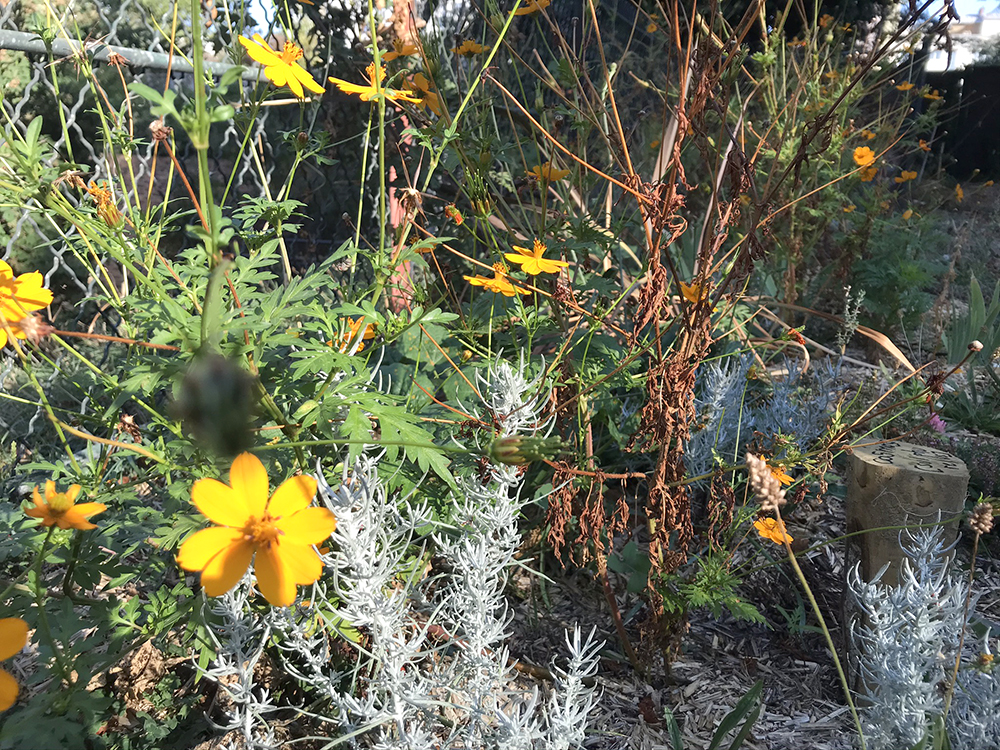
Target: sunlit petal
[(274, 578), (219, 503), (13, 636), (308, 526), (248, 478), (292, 496), (302, 561), (199, 548), (8, 690), (227, 568)]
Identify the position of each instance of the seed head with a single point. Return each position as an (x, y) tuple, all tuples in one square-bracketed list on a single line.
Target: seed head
[(981, 520), (765, 484)]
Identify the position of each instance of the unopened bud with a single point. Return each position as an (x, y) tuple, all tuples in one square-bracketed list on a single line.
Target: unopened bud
[(517, 450), (976, 346)]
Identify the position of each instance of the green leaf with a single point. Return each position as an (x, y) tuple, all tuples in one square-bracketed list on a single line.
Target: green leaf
[(748, 708)]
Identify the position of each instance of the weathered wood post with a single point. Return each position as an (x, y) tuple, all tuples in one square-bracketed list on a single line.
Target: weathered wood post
[(895, 484)]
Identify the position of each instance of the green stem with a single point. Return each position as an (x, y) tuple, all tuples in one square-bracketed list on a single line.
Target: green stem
[(43, 619)]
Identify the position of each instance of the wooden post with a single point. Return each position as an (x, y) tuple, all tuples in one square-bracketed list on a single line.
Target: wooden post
[(895, 484)]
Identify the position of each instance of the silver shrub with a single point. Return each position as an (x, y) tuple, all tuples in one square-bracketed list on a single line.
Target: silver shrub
[(905, 641), (432, 669)]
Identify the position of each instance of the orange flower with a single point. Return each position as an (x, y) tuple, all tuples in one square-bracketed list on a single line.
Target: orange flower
[(933, 96), (825, 20), (498, 284), (60, 508), (905, 86), (907, 214), (867, 134), (547, 173), (532, 262), (849, 209), (864, 156), (468, 48), (532, 6), (353, 326), (374, 88), (651, 28), (105, 201), (770, 528), (779, 473), (419, 83), (905, 177), (19, 297), (693, 292), (452, 212), (13, 637), (280, 67), (988, 183), (959, 193), (400, 49), (922, 145), (868, 174), (277, 534)]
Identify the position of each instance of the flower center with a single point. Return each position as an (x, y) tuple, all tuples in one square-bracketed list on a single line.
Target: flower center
[(59, 504), (261, 531), (499, 270), (290, 53)]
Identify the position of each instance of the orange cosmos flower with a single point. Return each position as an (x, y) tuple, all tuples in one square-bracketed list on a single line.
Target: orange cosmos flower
[(922, 145), (905, 86), (547, 173), (905, 177), (60, 508), (418, 83), (907, 214), (375, 87), (353, 326), (13, 637), (868, 174), (498, 284), (279, 532), (959, 193), (280, 67), (864, 156), (532, 262), (933, 96), (105, 201), (849, 209), (468, 48), (825, 20), (867, 134), (400, 49), (772, 529), (532, 6), (19, 297)]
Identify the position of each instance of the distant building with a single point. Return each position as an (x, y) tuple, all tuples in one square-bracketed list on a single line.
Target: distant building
[(968, 39)]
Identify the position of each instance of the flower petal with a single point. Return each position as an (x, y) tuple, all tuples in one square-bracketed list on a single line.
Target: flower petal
[(274, 577), (248, 478), (8, 690), (89, 509), (30, 293), (227, 568), (259, 50), (13, 636), (293, 495), (199, 548), (219, 503), (307, 80), (71, 519), (308, 526), (302, 561)]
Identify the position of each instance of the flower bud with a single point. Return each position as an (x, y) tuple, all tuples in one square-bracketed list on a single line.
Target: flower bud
[(976, 346), (517, 450)]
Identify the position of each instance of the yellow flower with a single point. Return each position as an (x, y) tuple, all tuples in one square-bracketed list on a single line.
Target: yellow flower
[(60, 508), (867, 134), (744, 199), (905, 86), (959, 193), (498, 284), (374, 87), (18, 298), (280, 68), (532, 262), (419, 83), (651, 27), (400, 49), (907, 214), (905, 177), (468, 48), (779, 473), (280, 531), (532, 6), (693, 292), (864, 156), (13, 637), (933, 96), (831, 75), (348, 338), (849, 209), (546, 172), (868, 174), (770, 528), (922, 145)]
